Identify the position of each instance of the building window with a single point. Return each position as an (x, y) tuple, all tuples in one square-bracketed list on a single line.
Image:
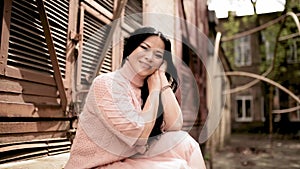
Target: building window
[(269, 45), (293, 52), (243, 108), (242, 51), (269, 52)]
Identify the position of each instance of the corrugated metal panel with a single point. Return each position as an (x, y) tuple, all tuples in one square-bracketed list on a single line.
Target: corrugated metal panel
[(94, 35), (27, 45)]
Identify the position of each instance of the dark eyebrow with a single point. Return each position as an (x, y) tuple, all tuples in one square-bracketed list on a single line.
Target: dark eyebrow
[(159, 52), (146, 44)]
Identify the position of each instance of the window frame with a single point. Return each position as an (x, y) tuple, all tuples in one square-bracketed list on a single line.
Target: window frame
[(244, 44), (244, 118), (293, 55)]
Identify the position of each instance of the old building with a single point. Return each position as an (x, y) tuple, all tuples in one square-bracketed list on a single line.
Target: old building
[(265, 46)]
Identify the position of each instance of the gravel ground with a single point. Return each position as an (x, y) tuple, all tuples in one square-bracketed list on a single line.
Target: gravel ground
[(258, 152)]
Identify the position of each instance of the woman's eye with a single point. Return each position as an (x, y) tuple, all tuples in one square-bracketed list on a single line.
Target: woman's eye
[(144, 47), (159, 56)]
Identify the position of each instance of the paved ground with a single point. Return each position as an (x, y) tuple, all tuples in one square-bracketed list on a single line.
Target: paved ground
[(243, 152), (258, 152), (49, 162)]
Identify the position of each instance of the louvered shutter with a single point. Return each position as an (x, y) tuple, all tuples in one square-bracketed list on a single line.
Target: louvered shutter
[(32, 121), (94, 37), (28, 53), (107, 4), (27, 44), (94, 31), (107, 61), (133, 16)]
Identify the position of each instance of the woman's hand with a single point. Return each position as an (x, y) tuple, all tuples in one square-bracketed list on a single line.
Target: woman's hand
[(154, 82), (163, 66), (162, 74)]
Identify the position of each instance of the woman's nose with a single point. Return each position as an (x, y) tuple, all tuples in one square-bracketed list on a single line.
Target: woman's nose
[(149, 55)]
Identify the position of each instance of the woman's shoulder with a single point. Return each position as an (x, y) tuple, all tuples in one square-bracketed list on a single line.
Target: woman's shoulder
[(105, 76), (110, 78)]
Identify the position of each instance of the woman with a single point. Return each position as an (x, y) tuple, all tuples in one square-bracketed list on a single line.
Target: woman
[(131, 118)]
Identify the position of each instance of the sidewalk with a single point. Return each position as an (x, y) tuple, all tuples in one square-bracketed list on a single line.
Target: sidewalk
[(49, 162)]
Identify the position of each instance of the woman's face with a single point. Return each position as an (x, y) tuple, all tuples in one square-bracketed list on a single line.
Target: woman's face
[(148, 56)]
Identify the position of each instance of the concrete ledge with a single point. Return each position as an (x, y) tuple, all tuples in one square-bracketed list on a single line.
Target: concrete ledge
[(49, 162)]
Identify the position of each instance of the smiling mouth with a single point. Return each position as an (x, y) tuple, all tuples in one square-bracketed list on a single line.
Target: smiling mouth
[(145, 65)]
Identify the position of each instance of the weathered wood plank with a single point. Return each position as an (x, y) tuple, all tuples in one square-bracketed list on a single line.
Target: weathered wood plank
[(49, 111), (95, 13), (4, 31), (23, 146), (100, 8), (58, 152), (58, 149), (29, 75), (33, 149), (8, 86), (8, 138), (52, 52), (25, 87), (15, 109), (23, 98), (28, 127), (28, 155), (72, 38), (47, 140), (61, 143)]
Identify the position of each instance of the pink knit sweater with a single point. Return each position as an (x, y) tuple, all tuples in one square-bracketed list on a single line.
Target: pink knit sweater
[(110, 126)]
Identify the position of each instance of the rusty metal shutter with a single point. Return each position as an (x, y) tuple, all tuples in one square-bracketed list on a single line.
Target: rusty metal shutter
[(27, 45)]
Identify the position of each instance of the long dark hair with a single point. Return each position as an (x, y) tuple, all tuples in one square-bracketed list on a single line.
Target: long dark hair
[(130, 44)]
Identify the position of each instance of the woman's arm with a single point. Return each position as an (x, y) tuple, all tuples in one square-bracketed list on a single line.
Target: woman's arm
[(172, 111), (117, 112), (149, 112)]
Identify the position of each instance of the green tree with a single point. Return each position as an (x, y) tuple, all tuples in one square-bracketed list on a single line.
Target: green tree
[(274, 52)]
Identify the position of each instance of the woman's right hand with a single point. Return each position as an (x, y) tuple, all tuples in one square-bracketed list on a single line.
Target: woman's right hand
[(153, 81)]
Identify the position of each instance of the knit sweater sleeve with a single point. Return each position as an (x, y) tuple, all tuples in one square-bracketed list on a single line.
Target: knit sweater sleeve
[(115, 103)]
